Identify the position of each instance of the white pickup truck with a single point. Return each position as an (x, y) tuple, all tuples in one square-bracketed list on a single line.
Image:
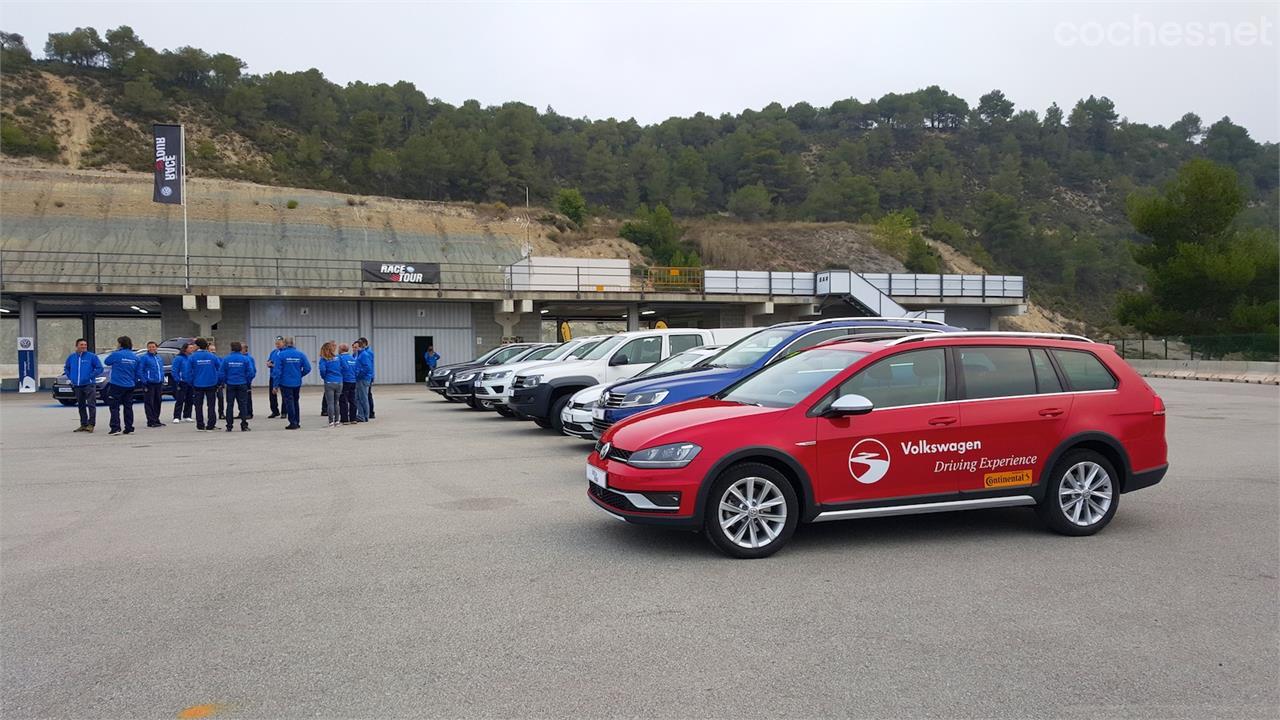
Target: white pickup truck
[(542, 392)]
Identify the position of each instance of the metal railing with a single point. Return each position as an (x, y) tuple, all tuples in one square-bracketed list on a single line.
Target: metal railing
[(1258, 347)]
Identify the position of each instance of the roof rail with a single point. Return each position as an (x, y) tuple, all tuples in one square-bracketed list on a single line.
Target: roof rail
[(991, 334), (921, 320)]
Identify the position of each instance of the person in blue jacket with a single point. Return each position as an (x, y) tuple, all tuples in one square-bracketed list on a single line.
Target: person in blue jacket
[(236, 374), (247, 412), (331, 374), (273, 387), (364, 381), (433, 359), (153, 381), (293, 366), (82, 369), (203, 367), (180, 368), (124, 364), (347, 400)]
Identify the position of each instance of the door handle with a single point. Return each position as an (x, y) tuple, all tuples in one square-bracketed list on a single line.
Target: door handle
[(943, 420), (1051, 412)]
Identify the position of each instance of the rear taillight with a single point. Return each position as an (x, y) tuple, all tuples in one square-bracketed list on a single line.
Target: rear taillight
[(1159, 408)]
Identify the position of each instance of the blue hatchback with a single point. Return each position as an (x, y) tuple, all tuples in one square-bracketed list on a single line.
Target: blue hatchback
[(740, 360)]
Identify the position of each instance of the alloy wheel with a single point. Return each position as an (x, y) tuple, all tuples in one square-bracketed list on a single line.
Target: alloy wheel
[(1085, 493), (753, 512)]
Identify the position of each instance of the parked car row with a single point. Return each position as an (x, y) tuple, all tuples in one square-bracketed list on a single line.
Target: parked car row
[(838, 419)]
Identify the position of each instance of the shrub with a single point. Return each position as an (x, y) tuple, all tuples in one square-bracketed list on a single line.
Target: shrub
[(291, 204), (572, 205)]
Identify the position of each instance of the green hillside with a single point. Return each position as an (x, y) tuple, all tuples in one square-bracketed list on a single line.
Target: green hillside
[(1042, 193)]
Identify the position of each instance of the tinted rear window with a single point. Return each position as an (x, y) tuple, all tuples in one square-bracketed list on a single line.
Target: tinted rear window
[(1084, 371), (991, 372)]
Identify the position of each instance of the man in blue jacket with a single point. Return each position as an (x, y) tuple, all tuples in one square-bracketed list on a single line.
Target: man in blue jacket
[(247, 413), (293, 366), (236, 374), (82, 369), (124, 366), (180, 368), (347, 400), (152, 372), (273, 387), (364, 381), (203, 366), (433, 359)]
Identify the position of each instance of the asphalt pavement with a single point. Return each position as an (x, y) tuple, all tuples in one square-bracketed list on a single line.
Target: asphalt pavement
[(441, 562)]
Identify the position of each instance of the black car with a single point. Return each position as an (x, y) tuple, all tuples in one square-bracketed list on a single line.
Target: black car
[(440, 379), (462, 382), (65, 394)]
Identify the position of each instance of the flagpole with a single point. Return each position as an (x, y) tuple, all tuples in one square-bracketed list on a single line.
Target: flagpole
[(186, 248)]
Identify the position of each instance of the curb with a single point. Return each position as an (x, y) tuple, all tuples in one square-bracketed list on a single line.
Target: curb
[(1250, 378)]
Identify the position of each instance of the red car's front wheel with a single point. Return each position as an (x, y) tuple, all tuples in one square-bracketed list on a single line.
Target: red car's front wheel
[(751, 511)]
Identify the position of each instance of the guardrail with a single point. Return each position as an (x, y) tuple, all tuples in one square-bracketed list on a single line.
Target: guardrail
[(106, 269)]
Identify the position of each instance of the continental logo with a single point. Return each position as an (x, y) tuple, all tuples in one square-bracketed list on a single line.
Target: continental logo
[(1013, 478)]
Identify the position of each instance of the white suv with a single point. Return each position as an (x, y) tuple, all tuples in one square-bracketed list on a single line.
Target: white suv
[(493, 384), (541, 393)]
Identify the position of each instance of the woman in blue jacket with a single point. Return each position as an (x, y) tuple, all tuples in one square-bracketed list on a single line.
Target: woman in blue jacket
[(331, 374)]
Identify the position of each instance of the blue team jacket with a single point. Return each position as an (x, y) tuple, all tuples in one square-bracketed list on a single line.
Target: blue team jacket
[(274, 359), (82, 368), (364, 365), (237, 369), (203, 368), (179, 370), (330, 370), (293, 366), (152, 368), (348, 362), (124, 368)]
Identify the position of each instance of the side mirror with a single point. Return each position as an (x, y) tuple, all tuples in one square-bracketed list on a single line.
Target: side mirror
[(849, 405), (619, 359)]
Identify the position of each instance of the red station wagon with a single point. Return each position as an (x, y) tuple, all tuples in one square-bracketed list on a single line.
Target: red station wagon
[(918, 424)]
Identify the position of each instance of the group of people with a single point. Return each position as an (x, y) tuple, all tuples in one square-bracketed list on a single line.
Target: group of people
[(217, 388)]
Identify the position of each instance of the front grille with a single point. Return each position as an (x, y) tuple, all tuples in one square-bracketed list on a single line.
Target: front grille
[(598, 427), (614, 399), (614, 453)]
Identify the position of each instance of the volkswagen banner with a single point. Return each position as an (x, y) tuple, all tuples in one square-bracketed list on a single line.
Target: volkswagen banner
[(168, 168), (415, 274)]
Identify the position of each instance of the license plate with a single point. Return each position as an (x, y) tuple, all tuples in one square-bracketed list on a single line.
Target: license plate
[(597, 476), (598, 413), (64, 390)]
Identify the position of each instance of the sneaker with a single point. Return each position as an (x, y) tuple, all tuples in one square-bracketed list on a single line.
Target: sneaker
[(82, 428), (228, 428), (292, 427), (244, 427), (273, 415), (114, 432), (159, 424), (88, 428), (128, 431)]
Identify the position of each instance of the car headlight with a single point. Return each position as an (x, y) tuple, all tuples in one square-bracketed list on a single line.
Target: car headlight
[(496, 375), (675, 455), (465, 377), (643, 399), (440, 373), (532, 380)]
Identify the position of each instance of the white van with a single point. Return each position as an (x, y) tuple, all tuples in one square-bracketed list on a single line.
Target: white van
[(541, 393)]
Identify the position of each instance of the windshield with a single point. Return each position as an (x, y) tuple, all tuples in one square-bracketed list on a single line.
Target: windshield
[(505, 354), (555, 352), (750, 348), (581, 352), (538, 353), (682, 361), (791, 380), (604, 348)]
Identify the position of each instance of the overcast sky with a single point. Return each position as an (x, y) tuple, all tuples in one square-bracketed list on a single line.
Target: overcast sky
[(653, 60)]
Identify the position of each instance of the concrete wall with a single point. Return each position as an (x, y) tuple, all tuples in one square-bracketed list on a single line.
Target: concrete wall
[(1264, 373)]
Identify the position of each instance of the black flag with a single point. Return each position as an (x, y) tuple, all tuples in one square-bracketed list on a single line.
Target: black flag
[(169, 158)]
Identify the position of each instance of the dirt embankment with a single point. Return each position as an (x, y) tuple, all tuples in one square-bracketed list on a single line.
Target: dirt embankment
[(788, 246)]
